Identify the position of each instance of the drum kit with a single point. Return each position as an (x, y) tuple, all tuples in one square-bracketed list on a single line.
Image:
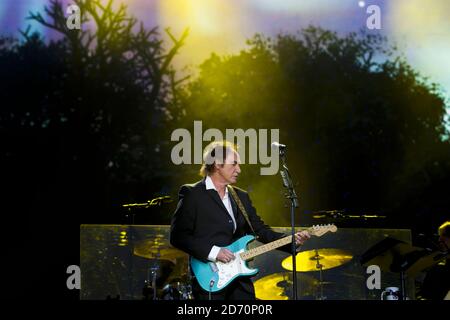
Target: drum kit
[(168, 275), (278, 286), (311, 265)]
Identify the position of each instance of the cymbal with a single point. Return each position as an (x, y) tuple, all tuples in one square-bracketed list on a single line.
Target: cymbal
[(267, 287), (278, 286), (308, 260), (158, 248)]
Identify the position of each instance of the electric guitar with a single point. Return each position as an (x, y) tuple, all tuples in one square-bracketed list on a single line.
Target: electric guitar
[(215, 276)]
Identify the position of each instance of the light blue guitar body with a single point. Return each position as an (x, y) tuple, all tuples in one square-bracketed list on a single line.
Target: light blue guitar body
[(215, 276)]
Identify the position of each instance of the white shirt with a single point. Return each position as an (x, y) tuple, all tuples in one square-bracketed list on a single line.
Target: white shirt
[(227, 203)]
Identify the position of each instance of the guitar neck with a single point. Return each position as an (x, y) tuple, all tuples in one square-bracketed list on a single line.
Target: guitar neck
[(265, 248), (314, 231)]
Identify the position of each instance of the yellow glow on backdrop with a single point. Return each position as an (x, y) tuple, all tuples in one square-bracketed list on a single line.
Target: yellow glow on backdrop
[(309, 6), (214, 26), (422, 28)]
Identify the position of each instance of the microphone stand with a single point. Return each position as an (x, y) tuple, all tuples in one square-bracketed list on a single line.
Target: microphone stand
[(287, 182)]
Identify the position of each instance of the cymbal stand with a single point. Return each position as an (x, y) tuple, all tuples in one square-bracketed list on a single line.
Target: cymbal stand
[(152, 273), (320, 267), (188, 288)]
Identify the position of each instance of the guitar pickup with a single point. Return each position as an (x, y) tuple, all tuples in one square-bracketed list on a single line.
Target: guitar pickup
[(214, 267)]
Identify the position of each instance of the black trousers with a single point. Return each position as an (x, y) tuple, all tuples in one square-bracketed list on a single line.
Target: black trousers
[(240, 289)]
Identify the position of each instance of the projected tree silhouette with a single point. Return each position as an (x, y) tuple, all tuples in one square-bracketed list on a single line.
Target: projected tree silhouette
[(364, 129)]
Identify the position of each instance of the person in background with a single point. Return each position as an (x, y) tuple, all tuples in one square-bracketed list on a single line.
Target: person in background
[(436, 284)]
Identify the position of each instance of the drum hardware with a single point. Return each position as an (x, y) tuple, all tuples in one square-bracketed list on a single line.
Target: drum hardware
[(177, 290), (319, 266), (393, 255), (158, 248), (343, 215), (307, 260), (177, 285), (131, 208), (391, 293), (150, 288), (318, 260), (278, 286), (180, 288)]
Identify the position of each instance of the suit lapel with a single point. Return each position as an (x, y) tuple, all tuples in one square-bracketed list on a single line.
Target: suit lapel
[(215, 196)]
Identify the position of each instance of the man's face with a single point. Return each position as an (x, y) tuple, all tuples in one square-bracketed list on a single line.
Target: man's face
[(230, 170)]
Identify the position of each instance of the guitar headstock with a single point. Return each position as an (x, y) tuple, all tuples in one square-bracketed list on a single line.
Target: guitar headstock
[(319, 230)]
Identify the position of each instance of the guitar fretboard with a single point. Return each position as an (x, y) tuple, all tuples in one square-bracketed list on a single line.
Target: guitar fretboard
[(313, 231), (265, 248)]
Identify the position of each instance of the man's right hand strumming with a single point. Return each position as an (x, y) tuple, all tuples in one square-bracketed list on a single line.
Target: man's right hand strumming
[(225, 255)]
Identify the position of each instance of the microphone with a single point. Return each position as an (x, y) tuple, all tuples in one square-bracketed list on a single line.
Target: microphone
[(280, 147), (277, 145)]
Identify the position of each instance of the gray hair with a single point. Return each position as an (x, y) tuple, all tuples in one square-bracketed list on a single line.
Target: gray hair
[(216, 150)]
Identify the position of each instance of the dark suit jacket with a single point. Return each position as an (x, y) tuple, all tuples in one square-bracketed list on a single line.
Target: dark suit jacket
[(202, 221)]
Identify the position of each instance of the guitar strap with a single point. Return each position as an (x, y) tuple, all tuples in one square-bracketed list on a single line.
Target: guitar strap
[(241, 207)]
